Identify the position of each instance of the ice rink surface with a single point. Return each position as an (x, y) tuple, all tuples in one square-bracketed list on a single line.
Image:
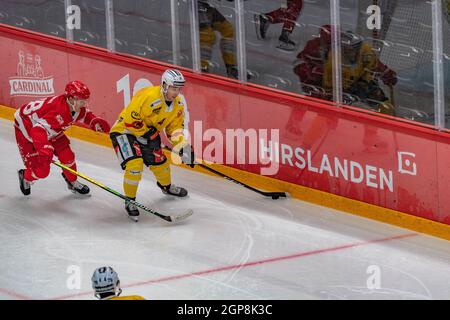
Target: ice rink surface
[(237, 245)]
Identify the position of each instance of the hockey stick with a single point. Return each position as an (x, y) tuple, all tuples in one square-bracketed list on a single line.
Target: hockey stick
[(273, 195), (392, 98), (391, 95), (173, 218)]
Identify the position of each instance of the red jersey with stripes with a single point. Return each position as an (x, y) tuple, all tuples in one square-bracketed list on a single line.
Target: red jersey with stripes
[(53, 114)]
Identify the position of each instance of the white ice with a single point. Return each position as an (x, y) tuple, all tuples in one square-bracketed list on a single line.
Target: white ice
[(306, 251)]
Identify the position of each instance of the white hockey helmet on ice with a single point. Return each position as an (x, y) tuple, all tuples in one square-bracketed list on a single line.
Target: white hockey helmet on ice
[(105, 280), (173, 78)]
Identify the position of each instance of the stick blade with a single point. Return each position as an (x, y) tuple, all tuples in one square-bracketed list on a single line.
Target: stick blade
[(167, 217), (181, 216), (276, 195)]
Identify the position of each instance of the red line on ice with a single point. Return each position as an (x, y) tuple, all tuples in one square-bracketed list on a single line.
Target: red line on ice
[(250, 264), (14, 295)]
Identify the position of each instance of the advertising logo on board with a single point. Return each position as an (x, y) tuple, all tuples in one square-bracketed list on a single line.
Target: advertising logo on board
[(30, 79), (406, 164)]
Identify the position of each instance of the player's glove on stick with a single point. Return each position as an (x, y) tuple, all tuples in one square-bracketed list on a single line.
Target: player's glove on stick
[(187, 155), (100, 125), (41, 144), (45, 153), (389, 77)]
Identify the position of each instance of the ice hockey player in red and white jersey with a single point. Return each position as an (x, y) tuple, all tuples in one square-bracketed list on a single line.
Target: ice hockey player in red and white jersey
[(39, 128), (310, 63)]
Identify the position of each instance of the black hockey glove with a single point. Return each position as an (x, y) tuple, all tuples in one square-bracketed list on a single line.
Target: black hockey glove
[(151, 134)]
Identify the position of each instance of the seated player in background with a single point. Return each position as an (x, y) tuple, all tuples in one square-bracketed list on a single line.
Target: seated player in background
[(309, 68), (136, 136), (361, 70), (106, 284), (39, 129), (310, 63)]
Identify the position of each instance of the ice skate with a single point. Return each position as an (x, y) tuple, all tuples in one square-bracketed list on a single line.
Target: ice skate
[(261, 25), (132, 210), (25, 186), (76, 187), (173, 190), (285, 42)]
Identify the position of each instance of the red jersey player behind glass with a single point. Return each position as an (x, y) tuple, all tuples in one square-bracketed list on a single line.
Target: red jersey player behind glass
[(39, 127)]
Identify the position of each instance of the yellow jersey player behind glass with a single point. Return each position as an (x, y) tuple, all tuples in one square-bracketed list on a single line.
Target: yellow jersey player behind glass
[(106, 284), (136, 136)]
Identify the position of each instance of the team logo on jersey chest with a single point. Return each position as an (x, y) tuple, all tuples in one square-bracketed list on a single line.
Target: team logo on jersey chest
[(135, 115), (30, 79)]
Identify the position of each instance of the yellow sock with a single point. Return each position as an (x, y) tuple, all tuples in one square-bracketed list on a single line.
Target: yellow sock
[(132, 177), (162, 173)]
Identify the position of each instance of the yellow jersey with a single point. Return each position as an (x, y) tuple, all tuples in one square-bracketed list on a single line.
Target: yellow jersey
[(147, 109), (126, 298), (364, 68)]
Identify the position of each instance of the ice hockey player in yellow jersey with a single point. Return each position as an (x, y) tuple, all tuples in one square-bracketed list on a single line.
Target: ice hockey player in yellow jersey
[(106, 283), (136, 136), (210, 21), (361, 71)]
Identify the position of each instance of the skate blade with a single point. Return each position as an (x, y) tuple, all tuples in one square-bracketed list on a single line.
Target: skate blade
[(257, 26), (134, 218), (171, 195), (286, 48), (80, 195)]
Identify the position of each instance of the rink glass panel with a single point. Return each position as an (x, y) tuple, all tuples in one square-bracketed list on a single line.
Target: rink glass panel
[(144, 28), (446, 58), (269, 65), (41, 16), (181, 30), (93, 23), (217, 37), (404, 44)]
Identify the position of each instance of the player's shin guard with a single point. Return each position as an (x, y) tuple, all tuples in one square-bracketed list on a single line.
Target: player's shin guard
[(207, 40), (67, 158), (132, 177), (227, 42), (162, 173)]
